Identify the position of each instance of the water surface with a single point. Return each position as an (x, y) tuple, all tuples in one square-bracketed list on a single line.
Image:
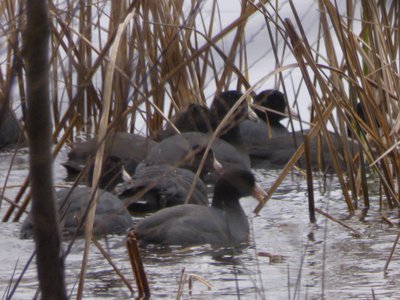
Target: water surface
[(288, 258)]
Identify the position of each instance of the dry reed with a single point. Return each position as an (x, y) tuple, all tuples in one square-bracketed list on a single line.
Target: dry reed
[(170, 53)]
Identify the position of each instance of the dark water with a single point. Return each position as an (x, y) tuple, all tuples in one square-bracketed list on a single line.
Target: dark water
[(288, 258)]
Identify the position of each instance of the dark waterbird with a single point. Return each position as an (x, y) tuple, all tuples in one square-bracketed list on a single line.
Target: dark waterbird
[(227, 149), (271, 110), (271, 146), (111, 217), (121, 149), (277, 151), (10, 131), (222, 224), (159, 186), (194, 118), (186, 150), (112, 172)]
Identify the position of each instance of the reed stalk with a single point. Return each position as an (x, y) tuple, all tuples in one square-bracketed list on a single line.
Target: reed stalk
[(173, 53)]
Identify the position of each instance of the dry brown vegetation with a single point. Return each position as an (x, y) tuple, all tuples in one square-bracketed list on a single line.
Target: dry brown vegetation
[(116, 65)]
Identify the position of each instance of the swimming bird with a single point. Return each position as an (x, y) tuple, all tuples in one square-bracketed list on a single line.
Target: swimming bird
[(272, 109), (194, 118), (10, 131), (111, 217), (222, 224), (159, 186), (280, 149), (121, 148), (276, 151), (227, 149)]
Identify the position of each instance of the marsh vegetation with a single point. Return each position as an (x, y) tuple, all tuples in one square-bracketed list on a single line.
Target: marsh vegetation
[(131, 65)]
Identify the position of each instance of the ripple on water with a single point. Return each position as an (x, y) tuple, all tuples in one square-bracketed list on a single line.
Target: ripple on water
[(309, 260)]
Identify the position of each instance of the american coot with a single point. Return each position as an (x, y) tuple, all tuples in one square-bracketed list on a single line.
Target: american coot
[(195, 117), (159, 186), (256, 134), (121, 148), (280, 149), (111, 217), (180, 151), (220, 106), (184, 150), (274, 100), (222, 224), (111, 173), (198, 118), (227, 149), (275, 152), (10, 131)]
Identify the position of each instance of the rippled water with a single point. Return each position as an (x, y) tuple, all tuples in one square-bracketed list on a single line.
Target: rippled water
[(310, 261)]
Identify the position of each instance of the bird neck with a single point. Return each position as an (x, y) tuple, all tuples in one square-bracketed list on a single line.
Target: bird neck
[(232, 136), (272, 119), (225, 198)]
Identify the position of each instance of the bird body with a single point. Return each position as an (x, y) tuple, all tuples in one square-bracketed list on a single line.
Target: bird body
[(111, 216), (159, 186), (222, 224)]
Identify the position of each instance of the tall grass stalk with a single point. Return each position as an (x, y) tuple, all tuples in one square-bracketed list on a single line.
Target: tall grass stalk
[(172, 53)]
